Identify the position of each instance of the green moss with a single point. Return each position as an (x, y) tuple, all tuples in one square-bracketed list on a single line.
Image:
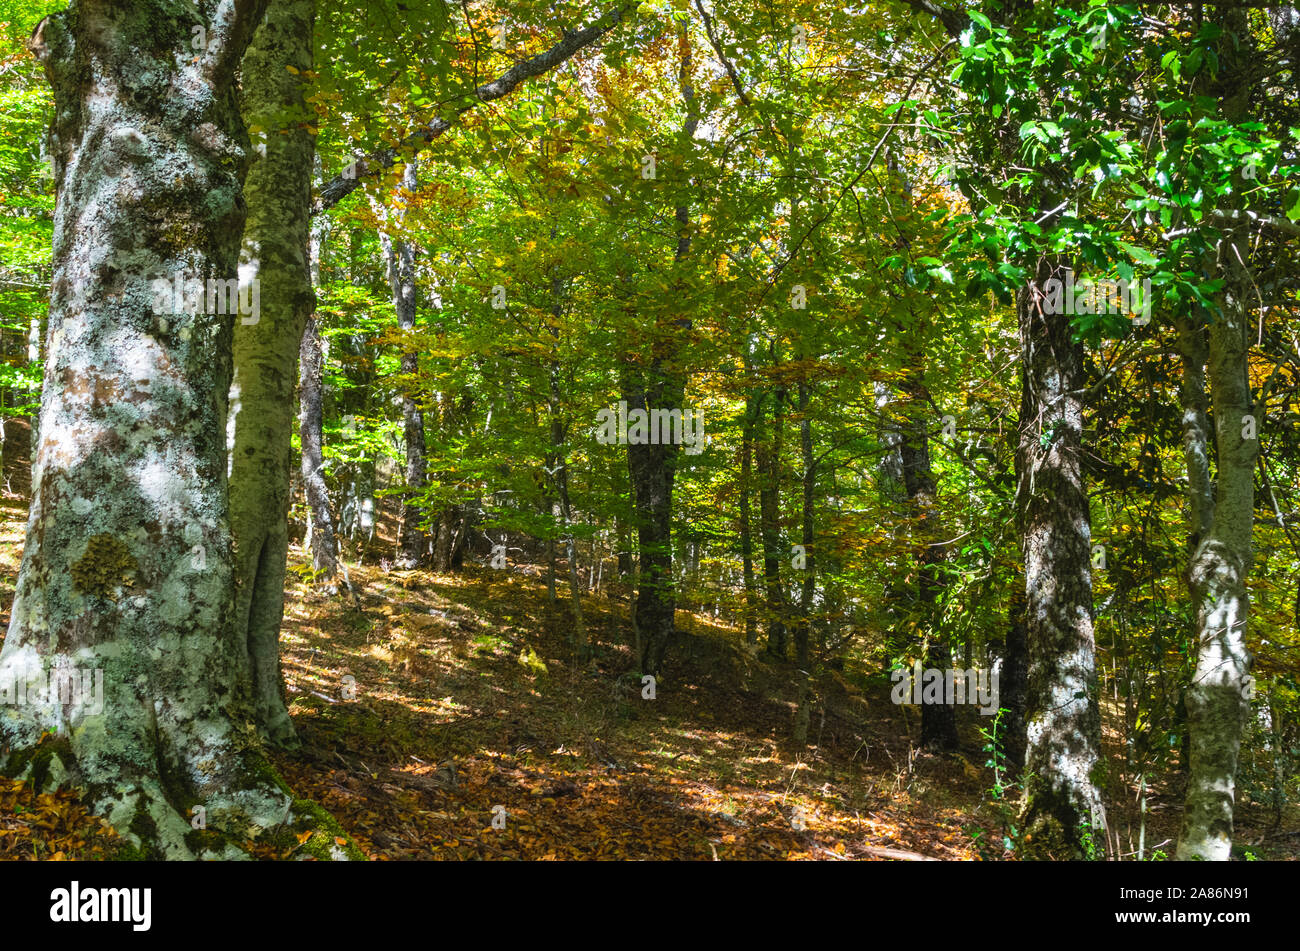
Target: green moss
[(202, 840), (326, 832), (35, 763), (106, 564)]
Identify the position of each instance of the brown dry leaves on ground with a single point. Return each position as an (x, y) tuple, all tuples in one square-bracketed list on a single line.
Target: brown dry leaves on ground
[(468, 706)]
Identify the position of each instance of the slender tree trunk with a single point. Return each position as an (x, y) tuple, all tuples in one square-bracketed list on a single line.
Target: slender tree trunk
[(1063, 804), (752, 406), (808, 586), (1012, 684), (652, 467), (1217, 701), (557, 464), (938, 720), (275, 254), (324, 545), (399, 254), (768, 452), (127, 568)]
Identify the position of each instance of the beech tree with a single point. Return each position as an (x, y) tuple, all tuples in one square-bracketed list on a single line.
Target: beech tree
[(128, 564)]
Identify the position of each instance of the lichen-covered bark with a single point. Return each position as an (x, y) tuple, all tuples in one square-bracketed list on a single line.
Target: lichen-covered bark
[(127, 566), (1217, 703), (324, 545), (1063, 805), (274, 253)]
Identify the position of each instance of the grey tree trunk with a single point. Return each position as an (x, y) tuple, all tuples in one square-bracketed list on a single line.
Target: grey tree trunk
[(1063, 806), (127, 568), (768, 457), (324, 545), (808, 585), (275, 254), (747, 521), (557, 469), (1217, 699), (399, 255)]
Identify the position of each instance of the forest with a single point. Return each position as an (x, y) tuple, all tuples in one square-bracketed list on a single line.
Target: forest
[(691, 430)]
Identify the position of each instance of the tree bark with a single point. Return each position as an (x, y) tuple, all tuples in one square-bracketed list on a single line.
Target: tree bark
[(768, 453), (938, 720), (1012, 684), (1063, 805), (747, 520), (324, 544), (399, 256), (127, 567), (275, 254), (1217, 702), (808, 586), (652, 467)]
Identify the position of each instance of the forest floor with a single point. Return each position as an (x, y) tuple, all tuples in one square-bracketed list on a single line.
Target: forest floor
[(451, 700)]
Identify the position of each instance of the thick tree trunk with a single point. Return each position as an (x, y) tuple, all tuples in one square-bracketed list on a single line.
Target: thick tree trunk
[(652, 468), (1063, 805), (275, 254), (127, 568), (399, 255)]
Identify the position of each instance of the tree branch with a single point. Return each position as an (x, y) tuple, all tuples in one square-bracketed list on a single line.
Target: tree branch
[(344, 183)]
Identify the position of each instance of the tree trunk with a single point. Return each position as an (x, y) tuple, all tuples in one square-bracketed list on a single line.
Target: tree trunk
[(938, 720), (652, 467), (275, 254), (127, 567), (1216, 700), (1063, 805), (324, 546), (768, 452), (747, 521), (1012, 682), (400, 257), (557, 468), (808, 588)]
